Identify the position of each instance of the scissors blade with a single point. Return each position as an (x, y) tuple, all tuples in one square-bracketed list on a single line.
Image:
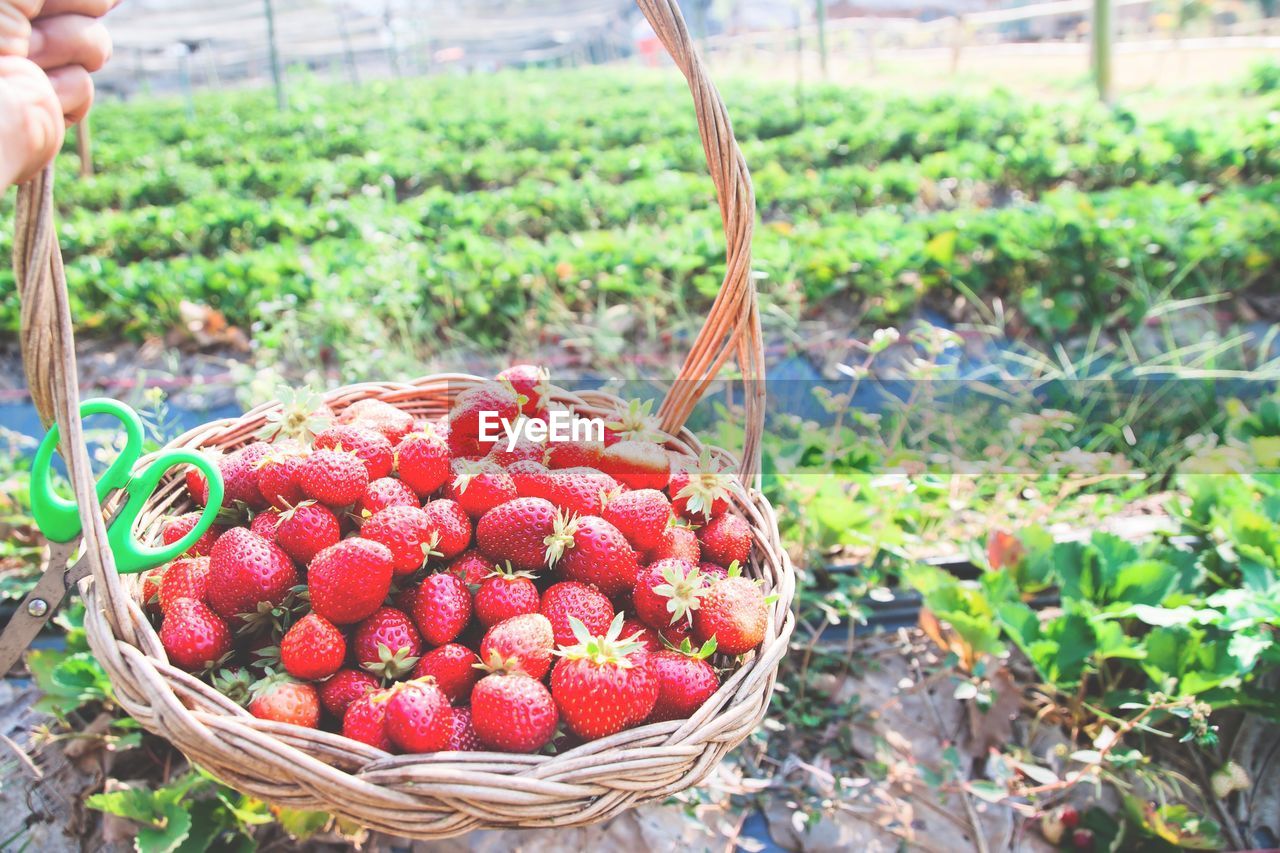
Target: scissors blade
[(38, 607)]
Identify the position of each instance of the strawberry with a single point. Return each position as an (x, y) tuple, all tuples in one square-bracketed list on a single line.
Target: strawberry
[(532, 479), (345, 687), (246, 570), (513, 713), (520, 644), (679, 543), (301, 415), (667, 593), (685, 681), (365, 720), (530, 382), (193, 636), (525, 450), (574, 454), (675, 635), (442, 608), (185, 577), (333, 477), (479, 486), (700, 492), (373, 448), (196, 483), (380, 417), (278, 477), (712, 571), (422, 461), (503, 594), (516, 532), (642, 634), (579, 490), (603, 684), (313, 648), (387, 643), (453, 666), (637, 464), (407, 533), (635, 423), (471, 567), (641, 515), (463, 737), (151, 591), (306, 530), (240, 475), (725, 540), (179, 526), (350, 580), (589, 549), (450, 527), (565, 601), (419, 718), (266, 523), (494, 401), (380, 494), (283, 700), (733, 612)]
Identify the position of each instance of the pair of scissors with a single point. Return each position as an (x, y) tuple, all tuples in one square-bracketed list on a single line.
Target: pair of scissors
[(59, 521)]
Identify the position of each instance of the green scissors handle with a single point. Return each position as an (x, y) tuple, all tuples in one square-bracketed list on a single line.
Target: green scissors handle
[(59, 518)]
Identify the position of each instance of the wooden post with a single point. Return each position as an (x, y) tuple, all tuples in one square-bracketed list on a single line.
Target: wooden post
[(277, 77), (822, 36), (84, 148), (1100, 42)]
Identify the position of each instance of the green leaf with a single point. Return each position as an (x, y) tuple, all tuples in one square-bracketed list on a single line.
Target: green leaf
[(168, 833), (301, 825)]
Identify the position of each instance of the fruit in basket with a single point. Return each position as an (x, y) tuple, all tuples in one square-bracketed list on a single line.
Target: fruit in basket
[(479, 485), (246, 570), (313, 648), (493, 401), (422, 462), (453, 666), (679, 543), (441, 608), (185, 577), (419, 717), (603, 683), (239, 471), (525, 450), (733, 612), (365, 720), (516, 532), (725, 540), (281, 699), (406, 531), (531, 382), (513, 712), (450, 527), (564, 602), (503, 594), (685, 680), (379, 416), (350, 580), (471, 567), (463, 737), (574, 454), (306, 530), (522, 643), (579, 490), (590, 550), (372, 447), (333, 477), (179, 526), (667, 593), (387, 643), (637, 464), (345, 687), (194, 636), (700, 492), (641, 515), (278, 477), (381, 494)]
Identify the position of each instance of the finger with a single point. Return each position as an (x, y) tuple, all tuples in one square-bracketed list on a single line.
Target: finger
[(74, 88), (92, 8), (70, 40), (31, 120), (15, 27)]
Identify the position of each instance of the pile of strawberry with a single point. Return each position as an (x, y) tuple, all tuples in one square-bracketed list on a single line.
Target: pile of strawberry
[(419, 589)]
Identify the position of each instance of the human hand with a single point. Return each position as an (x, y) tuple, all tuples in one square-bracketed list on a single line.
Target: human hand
[(47, 50)]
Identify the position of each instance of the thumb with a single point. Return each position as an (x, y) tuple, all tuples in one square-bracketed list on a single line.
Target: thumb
[(31, 121)]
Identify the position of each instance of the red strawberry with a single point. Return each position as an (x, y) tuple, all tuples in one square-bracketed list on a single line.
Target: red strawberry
[(733, 612), (185, 577), (345, 687), (712, 571), (175, 528), (520, 644), (350, 580), (313, 648), (574, 454), (442, 608), (380, 417), (197, 484), (667, 593), (333, 477), (406, 531), (513, 713), (463, 737), (387, 644), (726, 540), (532, 479), (685, 681), (240, 475), (151, 590), (589, 549), (266, 523), (516, 532), (365, 720), (381, 494), (284, 700), (700, 492), (680, 543), (530, 382), (564, 601), (419, 718), (505, 593), (278, 477), (579, 490), (638, 464), (453, 666), (526, 450), (642, 515), (603, 684), (479, 486), (471, 567), (246, 570), (306, 530), (450, 527), (642, 634), (372, 447), (492, 400), (675, 635), (193, 636), (422, 461)]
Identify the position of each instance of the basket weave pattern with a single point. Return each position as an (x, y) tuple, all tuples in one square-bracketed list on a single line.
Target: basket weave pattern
[(443, 794)]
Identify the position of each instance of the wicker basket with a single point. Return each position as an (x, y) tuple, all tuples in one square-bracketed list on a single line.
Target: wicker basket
[(434, 795)]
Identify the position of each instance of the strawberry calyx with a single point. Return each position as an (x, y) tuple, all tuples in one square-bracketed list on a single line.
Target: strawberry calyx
[(683, 591), (301, 415), (430, 548), (609, 649), (236, 684), (500, 665), (707, 484), (637, 423), (266, 685), (562, 535), (468, 470), (391, 664), (686, 648), (508, 572)]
